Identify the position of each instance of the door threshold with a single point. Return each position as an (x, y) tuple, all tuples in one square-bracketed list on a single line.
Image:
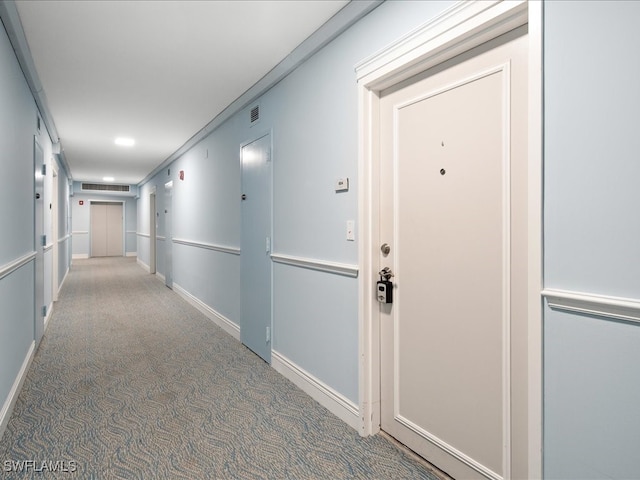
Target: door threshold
[(414, 456)]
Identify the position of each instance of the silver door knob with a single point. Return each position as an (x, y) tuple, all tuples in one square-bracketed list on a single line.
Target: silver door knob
[(385, 248)]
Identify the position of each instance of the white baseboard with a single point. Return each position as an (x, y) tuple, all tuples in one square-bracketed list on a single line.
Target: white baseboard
[(217, 318), (333, 401), (79, 256), (10, 402), (131, 254), (161, 276), (143, 265), (48, 317), (66, 274)]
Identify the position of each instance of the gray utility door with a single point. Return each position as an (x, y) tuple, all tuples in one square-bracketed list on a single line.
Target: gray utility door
[(168, 234), (106, 229), (40, 240), (255, 259), (453, 209)]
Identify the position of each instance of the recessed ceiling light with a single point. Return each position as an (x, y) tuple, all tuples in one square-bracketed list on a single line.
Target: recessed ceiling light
[(125, 141), (108, 179)]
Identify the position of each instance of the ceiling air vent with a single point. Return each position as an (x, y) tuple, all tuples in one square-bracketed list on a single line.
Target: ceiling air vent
[(255, 114), (105, 187)]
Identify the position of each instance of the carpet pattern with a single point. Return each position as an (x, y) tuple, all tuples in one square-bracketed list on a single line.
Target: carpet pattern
[(132, 382)]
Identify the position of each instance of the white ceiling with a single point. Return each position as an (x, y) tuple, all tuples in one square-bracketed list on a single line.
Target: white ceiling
[(158, 71)]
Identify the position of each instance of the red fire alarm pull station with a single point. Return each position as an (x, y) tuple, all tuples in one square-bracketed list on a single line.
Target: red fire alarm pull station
[(181, 174), (81, 202)]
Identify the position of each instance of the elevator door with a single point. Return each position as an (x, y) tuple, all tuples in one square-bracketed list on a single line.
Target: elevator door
[(106, 229)]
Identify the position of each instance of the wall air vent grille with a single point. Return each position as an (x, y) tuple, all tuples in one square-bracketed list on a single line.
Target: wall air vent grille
[(105, 187), (255, 114)]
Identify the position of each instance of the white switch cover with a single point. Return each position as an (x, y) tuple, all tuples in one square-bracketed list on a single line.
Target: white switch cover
[(351, 236), (342, 185)]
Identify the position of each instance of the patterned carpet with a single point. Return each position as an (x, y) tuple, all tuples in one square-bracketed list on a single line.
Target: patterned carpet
[(132, 382)]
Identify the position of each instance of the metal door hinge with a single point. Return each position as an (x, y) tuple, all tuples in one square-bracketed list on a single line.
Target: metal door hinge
[(44, 311)]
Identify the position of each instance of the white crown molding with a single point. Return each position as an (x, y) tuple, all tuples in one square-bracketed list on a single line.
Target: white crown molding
[(336, 25), (13, 26), (440, 39)]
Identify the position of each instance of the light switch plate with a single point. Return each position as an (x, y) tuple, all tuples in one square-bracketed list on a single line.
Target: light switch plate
[(351, 225), (342, 185)]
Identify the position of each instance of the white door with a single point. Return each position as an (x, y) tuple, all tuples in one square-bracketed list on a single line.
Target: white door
[(453, 198), (255, 259)]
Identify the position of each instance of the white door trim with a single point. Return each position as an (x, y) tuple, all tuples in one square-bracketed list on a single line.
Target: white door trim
[(54, 230), (153, 208), (463, 26)]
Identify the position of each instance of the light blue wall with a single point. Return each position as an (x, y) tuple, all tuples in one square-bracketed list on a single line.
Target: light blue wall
[(313, 118), (82, 221), (592, 232), (206, 208), (18, 128)]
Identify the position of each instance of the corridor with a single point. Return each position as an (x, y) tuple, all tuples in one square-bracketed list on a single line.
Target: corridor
[(130, 381)]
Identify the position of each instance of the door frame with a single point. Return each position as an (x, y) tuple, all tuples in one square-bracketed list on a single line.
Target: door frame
[(153, 208), (54, 230), (460, 28), (167, 198), (39, 239)]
